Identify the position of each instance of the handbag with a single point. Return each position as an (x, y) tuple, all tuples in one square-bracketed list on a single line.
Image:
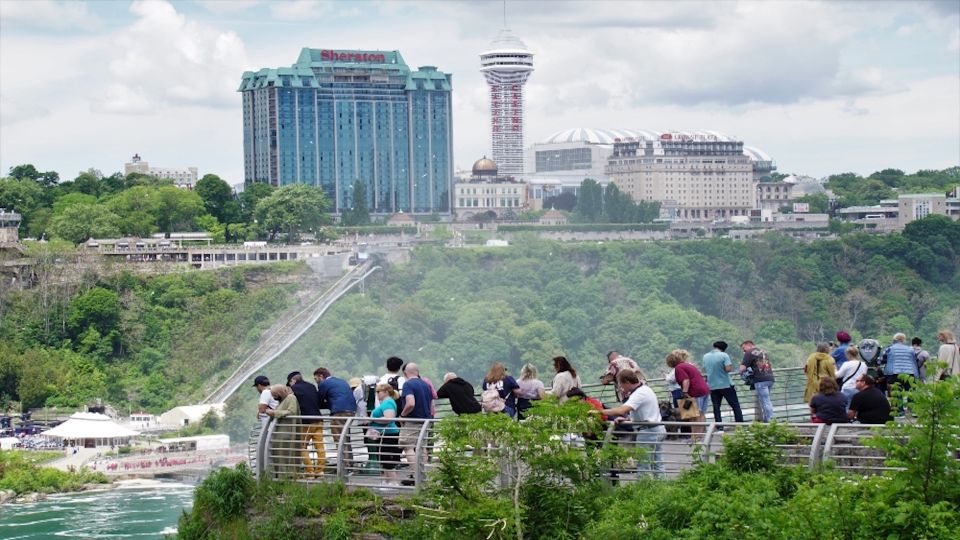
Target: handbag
[(372, 434), (689, 410)]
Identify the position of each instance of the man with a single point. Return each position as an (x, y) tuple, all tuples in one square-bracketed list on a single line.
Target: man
[(717, 366), (615, 364), (416, 399), (756, 359), (949, 354), (922, 357), (642, 406), (336, 395), (311, 429), (869, 405), (394, 377), (262, 384), (839, 353), (460, 393), (900, 363)]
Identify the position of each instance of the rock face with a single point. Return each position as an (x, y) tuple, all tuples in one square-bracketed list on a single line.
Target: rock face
[(7, 495)]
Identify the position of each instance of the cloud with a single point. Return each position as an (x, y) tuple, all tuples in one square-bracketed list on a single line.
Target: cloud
[(47, 14), (300, 10), (167, 59), (221, 7), (13, 111)]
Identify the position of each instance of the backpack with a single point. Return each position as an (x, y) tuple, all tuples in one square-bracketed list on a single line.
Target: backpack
[(394, 382), (490, 400)]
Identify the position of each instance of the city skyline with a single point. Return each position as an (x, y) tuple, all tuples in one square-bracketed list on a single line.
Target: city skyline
[(822, 87)]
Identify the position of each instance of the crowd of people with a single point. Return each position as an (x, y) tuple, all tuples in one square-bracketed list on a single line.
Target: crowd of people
[(845, 383)]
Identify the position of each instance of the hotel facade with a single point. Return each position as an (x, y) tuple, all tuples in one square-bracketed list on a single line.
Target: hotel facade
[(337, 116)]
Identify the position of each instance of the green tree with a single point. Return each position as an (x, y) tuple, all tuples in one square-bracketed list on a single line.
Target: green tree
[(293, 209), (70, 199), (22, 196), (359, 212), (217, 197), (252, 194), (29, 172), (80, 222), (97, 308), (590, 201)]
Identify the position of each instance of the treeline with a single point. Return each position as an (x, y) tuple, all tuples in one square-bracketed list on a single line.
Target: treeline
[(851, 189), (596, 204), (133, 341)]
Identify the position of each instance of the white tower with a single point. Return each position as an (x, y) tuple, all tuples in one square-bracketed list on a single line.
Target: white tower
[(506, 66)]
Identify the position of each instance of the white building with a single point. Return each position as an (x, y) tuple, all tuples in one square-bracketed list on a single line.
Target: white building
[(186, 415), (182, 176), (506, 66), (487, 191)]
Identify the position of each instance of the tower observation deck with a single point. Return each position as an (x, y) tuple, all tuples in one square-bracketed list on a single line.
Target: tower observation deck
[(506, 66)]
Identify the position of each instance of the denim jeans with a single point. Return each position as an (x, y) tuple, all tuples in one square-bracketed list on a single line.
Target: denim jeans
[(730, 394), (849, 393), (649, 439), (763, 396)]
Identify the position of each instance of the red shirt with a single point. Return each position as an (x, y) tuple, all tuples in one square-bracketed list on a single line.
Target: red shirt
[(687, 371)]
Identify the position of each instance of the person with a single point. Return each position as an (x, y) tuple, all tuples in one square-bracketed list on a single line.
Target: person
[(505, 385), (922, 357), (460, 393), (690, 380), (285, 437), (394, 375), (578, 393), (565, 379), (311, 429), (262, 384), (359, 395), (335, 394), (717, 365), (819, 364), (829, 406), (433, 392), (850, 372), (899, 363), (616, 362), (869, 405), (756, 359), (642, 407), (385, 445), (416, 399), (948, 353), (531, 389), (839, 353)]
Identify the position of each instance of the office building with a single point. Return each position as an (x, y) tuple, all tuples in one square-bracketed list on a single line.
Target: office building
[(489, 191), (181, 176), (337, 116), (506, 66)]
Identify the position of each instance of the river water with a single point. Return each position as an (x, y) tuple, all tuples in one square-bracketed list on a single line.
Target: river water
[(133, 509)]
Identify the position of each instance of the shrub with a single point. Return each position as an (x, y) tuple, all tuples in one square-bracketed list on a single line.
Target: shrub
[(754, 448)]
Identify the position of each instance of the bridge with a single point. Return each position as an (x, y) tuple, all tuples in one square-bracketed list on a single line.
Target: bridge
[(843, 444)]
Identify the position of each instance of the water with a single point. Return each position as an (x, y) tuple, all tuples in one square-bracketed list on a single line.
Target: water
[(134, 509)]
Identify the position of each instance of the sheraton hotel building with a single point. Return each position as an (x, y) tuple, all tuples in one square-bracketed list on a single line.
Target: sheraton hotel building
[(338, 116)]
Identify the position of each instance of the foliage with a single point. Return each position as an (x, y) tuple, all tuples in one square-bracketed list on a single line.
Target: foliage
[(217, 197), (359, 211), (755, 448), (292, 210), (852, 189), (20, 473)]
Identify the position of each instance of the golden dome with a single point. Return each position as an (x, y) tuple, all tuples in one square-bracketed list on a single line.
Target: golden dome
[(484, 167)]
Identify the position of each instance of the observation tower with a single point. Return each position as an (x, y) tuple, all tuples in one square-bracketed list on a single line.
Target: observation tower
[(506, 66)]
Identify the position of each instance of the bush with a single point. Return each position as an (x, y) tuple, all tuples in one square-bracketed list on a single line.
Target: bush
[(754, 448)]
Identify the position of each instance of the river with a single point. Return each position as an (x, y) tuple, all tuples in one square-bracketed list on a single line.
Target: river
[(133, 509)]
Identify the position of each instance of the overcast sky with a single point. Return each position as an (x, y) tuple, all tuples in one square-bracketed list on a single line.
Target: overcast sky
[(823, 87)]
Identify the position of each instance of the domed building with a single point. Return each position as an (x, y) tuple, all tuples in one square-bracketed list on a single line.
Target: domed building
[(486, 191), (484, 167)]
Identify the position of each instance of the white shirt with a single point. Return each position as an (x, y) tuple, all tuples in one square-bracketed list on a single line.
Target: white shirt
[(266, 398), (643, 404), (400, 379), (850, 371), (671, 380), (562, 383)]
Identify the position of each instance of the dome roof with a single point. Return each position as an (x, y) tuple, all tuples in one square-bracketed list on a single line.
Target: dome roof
[(609, 136), (506, 41), (484, 167)]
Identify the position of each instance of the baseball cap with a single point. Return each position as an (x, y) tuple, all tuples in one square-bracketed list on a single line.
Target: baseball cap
[(291, 374), (354, 382), (261, 379), (843, 337)]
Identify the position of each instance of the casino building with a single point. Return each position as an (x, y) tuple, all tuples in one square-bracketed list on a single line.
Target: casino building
[(338, 116)]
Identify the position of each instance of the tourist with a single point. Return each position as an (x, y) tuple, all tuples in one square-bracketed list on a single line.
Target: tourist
[(839, 353), (311, 429), (948, 353), (565, 379), (869, 405), (359, 395), (506, 387), (394, 375), (615, 363), (531, 389), (758, 362), (460, 393), (643, 409), (899, 363), (819, 364), (282, 456), (717, 365), (334, 393), (922, 357), (416, 399), (384, 433), (262, 384), (850, 372), (829, 406), (579, 394)]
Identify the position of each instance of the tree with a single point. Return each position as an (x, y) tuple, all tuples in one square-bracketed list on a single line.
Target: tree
[(176, 208), (590, 202), (564, 201), (359, 212), (97, 308), (29, 172), (217, 196), (81, 221), (22, 196), (249, 198), (293, 209)]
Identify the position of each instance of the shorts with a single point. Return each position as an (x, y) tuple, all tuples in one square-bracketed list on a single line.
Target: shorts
[(409, 435)]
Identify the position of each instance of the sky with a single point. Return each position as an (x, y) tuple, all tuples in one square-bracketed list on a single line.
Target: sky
[(822, 87)]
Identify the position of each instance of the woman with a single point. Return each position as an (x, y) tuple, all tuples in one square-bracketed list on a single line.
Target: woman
[(829, 406), (692, 383), (565, 379), (849, 372), (286, 442), (949, 353), (383, 435), (531, 388), (819, 364), (505, 385)]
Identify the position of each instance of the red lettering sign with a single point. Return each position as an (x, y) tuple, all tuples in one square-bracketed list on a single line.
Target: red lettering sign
[(336, 56)]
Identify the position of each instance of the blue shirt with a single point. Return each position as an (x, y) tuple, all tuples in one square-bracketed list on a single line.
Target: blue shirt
[(336, 395), (714, 365), (422, 396), (840, 354), (900, 358), (386, 429)]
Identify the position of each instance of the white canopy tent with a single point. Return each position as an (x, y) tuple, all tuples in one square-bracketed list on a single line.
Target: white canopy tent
[(91, 430)]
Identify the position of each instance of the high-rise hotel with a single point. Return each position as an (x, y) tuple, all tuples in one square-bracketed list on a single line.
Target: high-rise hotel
[(338, 116)]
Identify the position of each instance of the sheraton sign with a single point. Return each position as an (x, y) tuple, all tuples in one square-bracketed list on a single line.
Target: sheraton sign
[(338, 56)]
